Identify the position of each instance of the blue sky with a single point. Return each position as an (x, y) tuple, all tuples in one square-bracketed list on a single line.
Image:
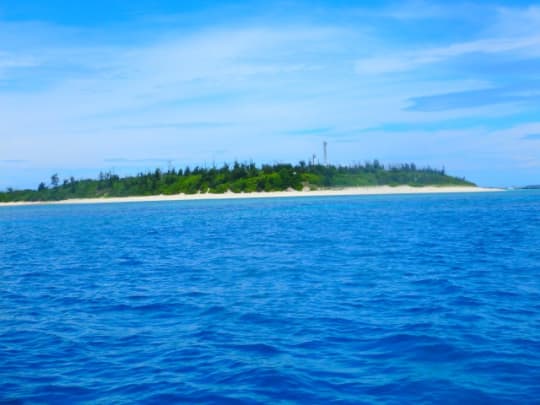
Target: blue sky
[(129, 86)]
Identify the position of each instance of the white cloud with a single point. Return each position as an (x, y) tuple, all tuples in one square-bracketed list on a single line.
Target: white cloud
[(414, 59), (9, 62), (516, 21), (503, 30)]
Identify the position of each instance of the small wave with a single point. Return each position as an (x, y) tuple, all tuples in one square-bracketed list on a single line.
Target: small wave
[(256, 348)]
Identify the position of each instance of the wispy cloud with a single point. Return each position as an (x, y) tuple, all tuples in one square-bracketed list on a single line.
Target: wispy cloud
[(10, 62), (309, 131), (13, 161), (506, 31), (177, 125), (527, 46), (476, 98), (145, 160)]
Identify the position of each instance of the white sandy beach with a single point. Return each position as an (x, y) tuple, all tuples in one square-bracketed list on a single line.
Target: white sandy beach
[(349, 191)]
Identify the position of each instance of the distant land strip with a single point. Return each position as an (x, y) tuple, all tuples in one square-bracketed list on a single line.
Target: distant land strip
[(247, 179)]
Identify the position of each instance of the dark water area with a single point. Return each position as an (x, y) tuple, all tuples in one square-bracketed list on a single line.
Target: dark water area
[(386, 299)]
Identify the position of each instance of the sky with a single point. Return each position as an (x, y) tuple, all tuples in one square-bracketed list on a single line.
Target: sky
[(131, 86)]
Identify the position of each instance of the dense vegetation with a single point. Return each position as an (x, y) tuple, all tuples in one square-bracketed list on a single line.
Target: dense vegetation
[(236, 178)]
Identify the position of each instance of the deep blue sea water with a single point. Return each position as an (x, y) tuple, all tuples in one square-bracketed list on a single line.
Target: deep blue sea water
[(386, 299)]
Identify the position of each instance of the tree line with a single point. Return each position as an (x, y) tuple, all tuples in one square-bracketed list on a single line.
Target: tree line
[(237, 178)]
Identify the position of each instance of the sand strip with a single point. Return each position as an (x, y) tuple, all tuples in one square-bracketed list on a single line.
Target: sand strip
[(349, 191)]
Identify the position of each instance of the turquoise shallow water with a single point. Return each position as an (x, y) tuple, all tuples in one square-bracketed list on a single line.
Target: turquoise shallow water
[(396, 299)]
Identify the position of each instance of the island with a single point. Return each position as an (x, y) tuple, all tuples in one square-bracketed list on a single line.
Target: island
[(245, 179)]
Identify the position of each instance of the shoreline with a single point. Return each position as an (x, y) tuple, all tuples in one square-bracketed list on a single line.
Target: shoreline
[(346, 191)]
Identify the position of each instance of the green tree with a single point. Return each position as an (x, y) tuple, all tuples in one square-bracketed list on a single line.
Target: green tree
[(55, 180)]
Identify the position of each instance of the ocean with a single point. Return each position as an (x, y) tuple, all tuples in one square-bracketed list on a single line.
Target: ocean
[(367, 299)]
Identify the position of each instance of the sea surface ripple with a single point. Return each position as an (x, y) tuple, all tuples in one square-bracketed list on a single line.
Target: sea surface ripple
[(387, 299)]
